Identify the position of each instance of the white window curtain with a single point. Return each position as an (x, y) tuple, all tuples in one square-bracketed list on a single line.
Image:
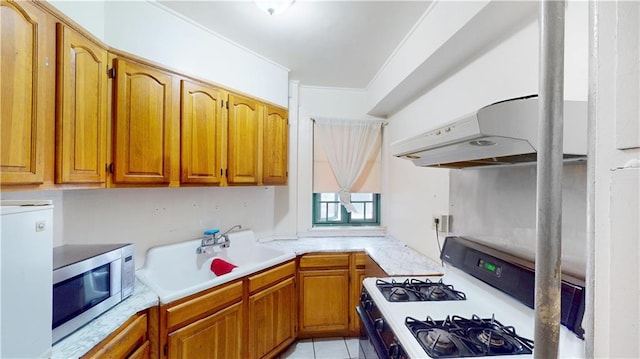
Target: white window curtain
[(349, 146)]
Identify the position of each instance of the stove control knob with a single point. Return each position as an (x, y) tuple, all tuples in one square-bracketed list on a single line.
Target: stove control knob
[(368, 304), (394, 351), (379, 324), (364, 296)]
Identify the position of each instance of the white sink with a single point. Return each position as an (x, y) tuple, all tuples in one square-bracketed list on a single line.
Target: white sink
[(175, 271)]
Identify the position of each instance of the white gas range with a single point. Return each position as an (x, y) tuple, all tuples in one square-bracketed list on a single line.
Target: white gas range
[(409, 318)]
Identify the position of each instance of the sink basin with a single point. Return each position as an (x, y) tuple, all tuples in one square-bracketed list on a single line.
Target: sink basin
[(175, 271)]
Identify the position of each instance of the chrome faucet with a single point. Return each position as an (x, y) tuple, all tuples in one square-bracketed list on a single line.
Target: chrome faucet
[(214, 238), (224, 235)]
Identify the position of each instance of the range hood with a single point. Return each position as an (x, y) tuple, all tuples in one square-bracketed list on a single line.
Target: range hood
[(503, 133)]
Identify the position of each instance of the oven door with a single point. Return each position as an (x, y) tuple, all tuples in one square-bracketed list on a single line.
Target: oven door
[(377, 341), (371, 344)]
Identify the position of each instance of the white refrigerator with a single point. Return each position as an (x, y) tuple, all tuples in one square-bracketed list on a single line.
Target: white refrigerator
[(26, 279)]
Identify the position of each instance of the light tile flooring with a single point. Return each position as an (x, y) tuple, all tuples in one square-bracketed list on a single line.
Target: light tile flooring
[(323, 348)]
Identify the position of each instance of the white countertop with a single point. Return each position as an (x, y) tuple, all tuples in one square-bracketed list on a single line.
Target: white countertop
[(393, 256)]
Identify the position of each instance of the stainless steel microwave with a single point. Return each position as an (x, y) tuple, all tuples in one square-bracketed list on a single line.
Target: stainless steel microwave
[(87, 281)]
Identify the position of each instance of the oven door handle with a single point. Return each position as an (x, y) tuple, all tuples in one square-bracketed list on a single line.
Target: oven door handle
[(372, 333)]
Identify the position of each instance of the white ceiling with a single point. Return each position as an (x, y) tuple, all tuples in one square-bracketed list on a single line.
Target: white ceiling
[(323, 43)]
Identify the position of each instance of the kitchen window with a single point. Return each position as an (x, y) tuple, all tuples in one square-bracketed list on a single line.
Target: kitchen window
[(327, 210), (347, 172)]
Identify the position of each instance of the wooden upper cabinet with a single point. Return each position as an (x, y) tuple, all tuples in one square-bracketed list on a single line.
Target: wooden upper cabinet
[(22, 62), (81, 108), (142, 124), (243, 140), (202, 134), (275, 147)]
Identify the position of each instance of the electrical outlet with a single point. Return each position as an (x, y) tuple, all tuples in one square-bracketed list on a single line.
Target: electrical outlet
[(443, 221)]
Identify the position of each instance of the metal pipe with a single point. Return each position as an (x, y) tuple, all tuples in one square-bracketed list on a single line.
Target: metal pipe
[(589, 323), (549, 179)]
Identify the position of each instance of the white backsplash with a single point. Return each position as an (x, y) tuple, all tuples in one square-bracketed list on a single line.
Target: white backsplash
[(151, 217)]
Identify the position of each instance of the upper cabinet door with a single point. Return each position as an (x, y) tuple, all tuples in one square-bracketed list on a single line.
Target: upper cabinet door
[(244, 140), (81, 113), (22, 62), (276, 147), (142, 124), (202, 131)]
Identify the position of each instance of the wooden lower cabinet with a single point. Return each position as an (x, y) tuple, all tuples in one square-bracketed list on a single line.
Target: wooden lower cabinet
[(143, 352), (129, 341), (272, 319), (252, 317), (260, 315), (209, 324), (329, 291), (217, 336), (324, 294), (324, 299), (373, 269)]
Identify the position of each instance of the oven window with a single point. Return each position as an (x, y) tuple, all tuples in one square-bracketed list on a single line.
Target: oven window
[(80, 293)]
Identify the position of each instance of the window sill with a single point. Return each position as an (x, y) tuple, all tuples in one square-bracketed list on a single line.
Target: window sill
[(355, 231)]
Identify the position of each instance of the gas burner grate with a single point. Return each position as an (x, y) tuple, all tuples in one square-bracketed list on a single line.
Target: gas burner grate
[(461, 337), (415, 290)]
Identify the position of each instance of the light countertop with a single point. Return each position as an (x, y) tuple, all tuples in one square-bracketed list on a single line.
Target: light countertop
[(393, 256)]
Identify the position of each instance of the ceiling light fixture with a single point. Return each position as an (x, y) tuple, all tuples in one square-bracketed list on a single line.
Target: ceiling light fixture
[(273, 7)]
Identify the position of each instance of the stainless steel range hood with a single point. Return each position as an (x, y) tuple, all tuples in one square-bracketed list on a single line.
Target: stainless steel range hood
[(503, 133)]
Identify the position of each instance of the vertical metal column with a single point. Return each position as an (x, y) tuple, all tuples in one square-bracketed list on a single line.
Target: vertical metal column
[(591, 180), (549, 179)]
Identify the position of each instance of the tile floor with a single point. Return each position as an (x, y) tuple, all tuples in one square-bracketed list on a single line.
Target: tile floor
[(323, 348)]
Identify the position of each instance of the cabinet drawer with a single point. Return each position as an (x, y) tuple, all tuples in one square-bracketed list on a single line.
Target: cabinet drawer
[(325, 260), (143, 351), (126, 340), (360, 259), (271, 276), (206, 303)]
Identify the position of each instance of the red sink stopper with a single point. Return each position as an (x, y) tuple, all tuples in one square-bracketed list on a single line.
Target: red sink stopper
[(220, 266)]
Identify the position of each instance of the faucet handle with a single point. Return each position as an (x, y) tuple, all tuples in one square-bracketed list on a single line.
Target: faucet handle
[(211, 232)]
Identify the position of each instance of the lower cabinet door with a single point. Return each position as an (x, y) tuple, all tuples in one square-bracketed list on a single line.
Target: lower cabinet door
[(143, 352), (272, 319), (217, 336), (125, 342), (324, 302)]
